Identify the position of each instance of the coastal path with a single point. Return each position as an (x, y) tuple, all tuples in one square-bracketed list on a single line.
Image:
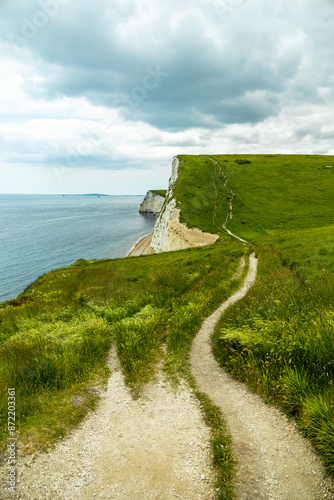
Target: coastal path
[(273, 460)]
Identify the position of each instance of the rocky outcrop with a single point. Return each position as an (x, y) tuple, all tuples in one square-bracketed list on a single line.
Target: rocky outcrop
[(152, 203), (169, 233)]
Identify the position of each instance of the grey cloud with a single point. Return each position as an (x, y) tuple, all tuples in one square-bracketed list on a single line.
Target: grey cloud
[(239, 73)]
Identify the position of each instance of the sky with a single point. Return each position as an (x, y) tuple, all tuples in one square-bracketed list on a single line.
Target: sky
[(99, 96)]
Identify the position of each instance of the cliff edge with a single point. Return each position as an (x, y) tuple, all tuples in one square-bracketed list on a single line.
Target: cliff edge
[(169, 233), (152, 203)]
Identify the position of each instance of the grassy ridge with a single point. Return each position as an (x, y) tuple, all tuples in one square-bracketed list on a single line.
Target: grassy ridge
[(201, 194), (279, 339), (275, 193), (56, 335), (160, 192)]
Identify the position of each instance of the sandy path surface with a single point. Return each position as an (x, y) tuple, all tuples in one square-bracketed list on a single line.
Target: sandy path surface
[(274, 460), (143, 247), (156, 447)]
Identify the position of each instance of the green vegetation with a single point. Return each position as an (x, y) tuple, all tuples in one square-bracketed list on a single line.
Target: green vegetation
[(56, 335), (201, 194), (275, 193), (279, 339), (160, 192)]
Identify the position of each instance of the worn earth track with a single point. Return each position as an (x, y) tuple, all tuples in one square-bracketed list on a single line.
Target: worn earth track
[(155, 447), (274, 460), (229, 214)]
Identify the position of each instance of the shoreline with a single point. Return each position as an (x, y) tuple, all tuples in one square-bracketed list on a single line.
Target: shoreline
[(142, 247)]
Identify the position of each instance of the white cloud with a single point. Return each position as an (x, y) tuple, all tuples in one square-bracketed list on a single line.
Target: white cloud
[(123, 87)]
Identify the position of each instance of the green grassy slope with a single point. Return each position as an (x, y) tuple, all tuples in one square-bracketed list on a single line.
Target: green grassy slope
[(201, 194), (272, 193), (278, 193), (56, 335), (160, 192)]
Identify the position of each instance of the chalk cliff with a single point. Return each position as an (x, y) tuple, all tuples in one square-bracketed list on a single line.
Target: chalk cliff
[(152, 203), (169, 232)]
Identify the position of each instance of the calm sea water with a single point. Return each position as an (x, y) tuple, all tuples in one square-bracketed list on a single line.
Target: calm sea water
[(40, 233)]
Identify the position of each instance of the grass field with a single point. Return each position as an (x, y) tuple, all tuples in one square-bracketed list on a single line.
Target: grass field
[(272, 193), (279, 339), (56, 335), (279, 193)]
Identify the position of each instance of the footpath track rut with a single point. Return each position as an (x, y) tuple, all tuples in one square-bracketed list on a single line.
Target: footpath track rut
[(155, 447), (274, 460), (229, 214)]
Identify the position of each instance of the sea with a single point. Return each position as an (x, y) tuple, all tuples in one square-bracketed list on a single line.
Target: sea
[(39, 233)]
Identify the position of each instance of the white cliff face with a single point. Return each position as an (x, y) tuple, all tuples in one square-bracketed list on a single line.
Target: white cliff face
[(152, 203), (161, 229), (169, 233), (162, 222)]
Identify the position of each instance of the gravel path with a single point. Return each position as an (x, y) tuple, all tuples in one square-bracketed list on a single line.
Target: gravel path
[(155, 447), (274, 460)]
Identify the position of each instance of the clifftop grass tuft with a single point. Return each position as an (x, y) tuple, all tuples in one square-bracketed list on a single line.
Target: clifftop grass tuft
[(160, 192)]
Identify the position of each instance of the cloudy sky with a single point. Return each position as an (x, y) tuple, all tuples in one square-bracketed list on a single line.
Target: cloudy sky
[(99, 96)]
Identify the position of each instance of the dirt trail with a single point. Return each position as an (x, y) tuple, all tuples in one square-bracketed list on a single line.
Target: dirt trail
[(229, 214), (156, 447), (274, 460)]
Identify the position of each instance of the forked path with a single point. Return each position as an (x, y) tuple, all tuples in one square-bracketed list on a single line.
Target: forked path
[(154, 448), (274, 460)]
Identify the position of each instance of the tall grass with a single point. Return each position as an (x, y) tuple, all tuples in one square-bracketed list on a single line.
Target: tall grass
[(138, 339), (53, 354), (45, 359), (55, 337), (280, 338)]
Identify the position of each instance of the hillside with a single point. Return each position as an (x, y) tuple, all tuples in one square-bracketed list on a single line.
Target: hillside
[(271, 193), (278, 339)]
